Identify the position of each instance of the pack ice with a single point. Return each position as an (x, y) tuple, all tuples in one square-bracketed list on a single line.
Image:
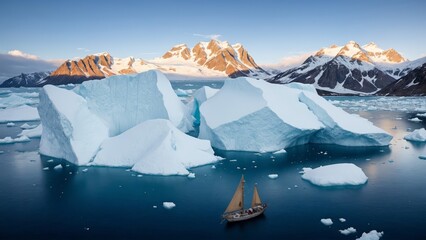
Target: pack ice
[(253, 115), (108, 113)]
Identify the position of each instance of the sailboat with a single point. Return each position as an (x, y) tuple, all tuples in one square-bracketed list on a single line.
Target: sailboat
[(235, 211)]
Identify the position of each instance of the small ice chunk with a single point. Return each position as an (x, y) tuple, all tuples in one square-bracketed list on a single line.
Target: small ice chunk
[(416, 119), (139, 175), (342, 220), (372, 235), (423, 157), (280, 151), (169, 205), (85, 170), (191, 175), (57, 167), (421, 114), (8, 140), (327, 221), (50, 160), (45, 169), (418, 135), (233, 160), (10, 124), (273, 176), (154, 206), (27, 126), (213, 167), (348, 231)]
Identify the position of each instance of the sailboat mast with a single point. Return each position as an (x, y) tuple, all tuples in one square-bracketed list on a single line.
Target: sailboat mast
[(242, 186)]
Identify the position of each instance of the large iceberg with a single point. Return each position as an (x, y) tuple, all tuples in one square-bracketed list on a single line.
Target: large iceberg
[(70, 130), (155, 147), (200, 96), (83, 124), (253, 115), (340, 174), (124, 101)]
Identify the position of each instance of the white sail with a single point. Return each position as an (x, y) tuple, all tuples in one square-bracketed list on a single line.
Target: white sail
[(237, 202), (256, 198)]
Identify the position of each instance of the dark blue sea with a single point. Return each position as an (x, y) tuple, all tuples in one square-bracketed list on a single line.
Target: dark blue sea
[(114, 203)]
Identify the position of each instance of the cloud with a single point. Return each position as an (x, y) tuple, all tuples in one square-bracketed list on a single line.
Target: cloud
[(208, 36), (19, 53), (83, 49), (16, 62), (289, 61)]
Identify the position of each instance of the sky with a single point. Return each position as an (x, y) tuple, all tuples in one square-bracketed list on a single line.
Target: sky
[(270, 30)]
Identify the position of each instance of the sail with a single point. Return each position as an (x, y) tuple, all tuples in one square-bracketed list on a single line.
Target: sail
[(256, 199), (237, 202)]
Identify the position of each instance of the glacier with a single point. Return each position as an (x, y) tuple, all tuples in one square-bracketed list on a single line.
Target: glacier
[(253, 115), (155, 147)]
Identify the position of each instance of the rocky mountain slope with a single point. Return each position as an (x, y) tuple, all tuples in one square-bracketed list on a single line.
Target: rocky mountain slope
[(25, 80), (348, 69), (206, 60)]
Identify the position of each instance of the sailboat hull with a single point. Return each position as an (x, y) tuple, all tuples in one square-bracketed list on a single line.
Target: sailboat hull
[(237, 217)]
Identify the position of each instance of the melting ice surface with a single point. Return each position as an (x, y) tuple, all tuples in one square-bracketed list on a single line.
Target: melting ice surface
[(87, 201)]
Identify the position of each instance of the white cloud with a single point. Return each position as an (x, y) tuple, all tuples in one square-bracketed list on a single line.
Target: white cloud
[(289, 61), (83, 49), (19, 53), (208, 36)]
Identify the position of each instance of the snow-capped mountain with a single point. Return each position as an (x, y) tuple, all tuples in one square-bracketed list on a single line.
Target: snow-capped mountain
[(412, 84), (206, 60), (348, 69), (25, 80)]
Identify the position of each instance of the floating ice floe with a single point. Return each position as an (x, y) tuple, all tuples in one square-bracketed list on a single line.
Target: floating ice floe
[(348, 231), (14, 101), (327, 221), (155, 147), (335, 175), (273, 176), (372, 235), (416, 119), (8, 140), (418, 135), (32, 133), (280, 151), (342, 220), (191, 175), (421, 114), (10, 124), (19, 114), (169, 205), (253, 115), (27, 126)]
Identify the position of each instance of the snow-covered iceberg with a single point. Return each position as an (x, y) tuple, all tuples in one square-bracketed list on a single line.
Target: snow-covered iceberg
[(418, 135), (155, 147), (253, 115), (110, 122), (124, 101), (70, 130), (335, 175)]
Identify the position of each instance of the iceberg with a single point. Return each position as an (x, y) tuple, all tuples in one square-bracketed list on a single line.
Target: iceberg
[(169, 205), (253, 115), (76, 122), (348, 231), (70, 130), (155, 147), (8, 140), (19, 114), (124, 101), (340, 174), (418, 135)]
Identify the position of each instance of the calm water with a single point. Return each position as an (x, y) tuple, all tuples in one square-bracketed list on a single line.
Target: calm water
[(115, 203)]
